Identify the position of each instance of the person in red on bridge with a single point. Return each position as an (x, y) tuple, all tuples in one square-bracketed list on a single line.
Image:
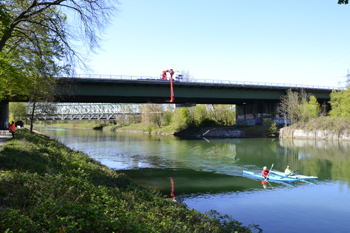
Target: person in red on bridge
[(265, 172)]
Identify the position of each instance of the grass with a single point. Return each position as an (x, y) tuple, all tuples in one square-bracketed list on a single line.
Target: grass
[(47, 187), (332, 124), (82, 124), (251, 131)]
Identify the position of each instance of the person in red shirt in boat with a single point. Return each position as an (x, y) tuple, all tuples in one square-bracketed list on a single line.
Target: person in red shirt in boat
[(265, 172)]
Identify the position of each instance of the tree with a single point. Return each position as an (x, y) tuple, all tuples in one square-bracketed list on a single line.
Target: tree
[(167, 117), (40, 30), (199, 114), (343, 1), (20, 15), (40, 110), (309, 109), (152, 114), (224, 114), (299, 106), (340, 103), (17, 111), (289, 106)]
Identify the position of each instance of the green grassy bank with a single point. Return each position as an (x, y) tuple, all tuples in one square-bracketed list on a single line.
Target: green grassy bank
[(47, 187), (333, 124), (139, 127), (250, 131)]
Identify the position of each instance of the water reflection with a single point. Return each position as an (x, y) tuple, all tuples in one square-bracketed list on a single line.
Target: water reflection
[(325, 159), (178, 198)]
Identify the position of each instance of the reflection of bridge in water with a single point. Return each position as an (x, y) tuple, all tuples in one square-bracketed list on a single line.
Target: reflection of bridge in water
[(91, 111)]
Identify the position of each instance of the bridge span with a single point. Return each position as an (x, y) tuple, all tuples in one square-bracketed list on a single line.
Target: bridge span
[(249, 97), (141, 89)]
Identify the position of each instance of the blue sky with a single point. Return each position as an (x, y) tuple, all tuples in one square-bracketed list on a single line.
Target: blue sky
[(297, 42)]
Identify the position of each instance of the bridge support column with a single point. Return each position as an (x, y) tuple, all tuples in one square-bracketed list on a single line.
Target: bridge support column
[(256, 108), (4, 115)]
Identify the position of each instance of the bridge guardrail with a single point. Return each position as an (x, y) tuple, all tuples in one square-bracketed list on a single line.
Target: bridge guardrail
[(206, 81)]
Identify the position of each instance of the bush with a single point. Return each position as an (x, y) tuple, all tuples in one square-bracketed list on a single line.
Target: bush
[(273, 130), (207, 123)]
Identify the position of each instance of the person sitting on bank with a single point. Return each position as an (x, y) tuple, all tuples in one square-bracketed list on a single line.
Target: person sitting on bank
[(288, 171), (265, 172), (12, 129)]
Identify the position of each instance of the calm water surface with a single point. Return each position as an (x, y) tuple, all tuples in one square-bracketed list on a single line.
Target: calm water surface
[(208, 174)]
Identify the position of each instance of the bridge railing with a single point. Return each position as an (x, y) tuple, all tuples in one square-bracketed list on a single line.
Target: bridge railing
[(206, 81)]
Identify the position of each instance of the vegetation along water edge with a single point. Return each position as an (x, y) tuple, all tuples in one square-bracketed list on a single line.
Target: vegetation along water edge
[(47, 187)]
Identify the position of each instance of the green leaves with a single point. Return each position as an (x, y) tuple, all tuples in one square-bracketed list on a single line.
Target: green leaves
[(299, 106), (340, 103)]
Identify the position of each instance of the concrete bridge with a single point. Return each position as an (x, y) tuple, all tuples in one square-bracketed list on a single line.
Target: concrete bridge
[(249, 97)]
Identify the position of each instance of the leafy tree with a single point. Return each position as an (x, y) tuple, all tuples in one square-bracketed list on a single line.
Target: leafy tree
[(313, 108), (340, 103), (91, 17), (200, 114), (41, 29), (184, 113), (224, 114), (343, 1), (273, 130), (167, 117), (309, 108), (17, 111)]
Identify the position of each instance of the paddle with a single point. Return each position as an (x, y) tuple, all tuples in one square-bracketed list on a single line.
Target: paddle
[(269, 171), (293, 172)]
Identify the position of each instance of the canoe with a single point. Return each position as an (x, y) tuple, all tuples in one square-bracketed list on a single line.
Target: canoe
[(271, 177), (297, 177)]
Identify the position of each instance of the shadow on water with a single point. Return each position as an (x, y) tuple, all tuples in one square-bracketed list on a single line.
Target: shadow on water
[(190, 182)]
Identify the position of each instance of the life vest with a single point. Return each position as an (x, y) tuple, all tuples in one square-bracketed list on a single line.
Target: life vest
[(12, 127)]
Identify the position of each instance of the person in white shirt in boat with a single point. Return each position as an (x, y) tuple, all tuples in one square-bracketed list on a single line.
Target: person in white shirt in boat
[(288, 171)]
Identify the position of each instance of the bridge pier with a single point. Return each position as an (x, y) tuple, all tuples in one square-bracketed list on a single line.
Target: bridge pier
[(4, 115), (253, 112)]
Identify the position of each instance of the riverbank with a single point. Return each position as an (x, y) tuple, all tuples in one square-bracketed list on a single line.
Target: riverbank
[(321, 128), (234, 131), (47, 187)]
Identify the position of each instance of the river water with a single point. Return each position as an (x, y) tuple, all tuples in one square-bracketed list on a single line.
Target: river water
[(207, 174)]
